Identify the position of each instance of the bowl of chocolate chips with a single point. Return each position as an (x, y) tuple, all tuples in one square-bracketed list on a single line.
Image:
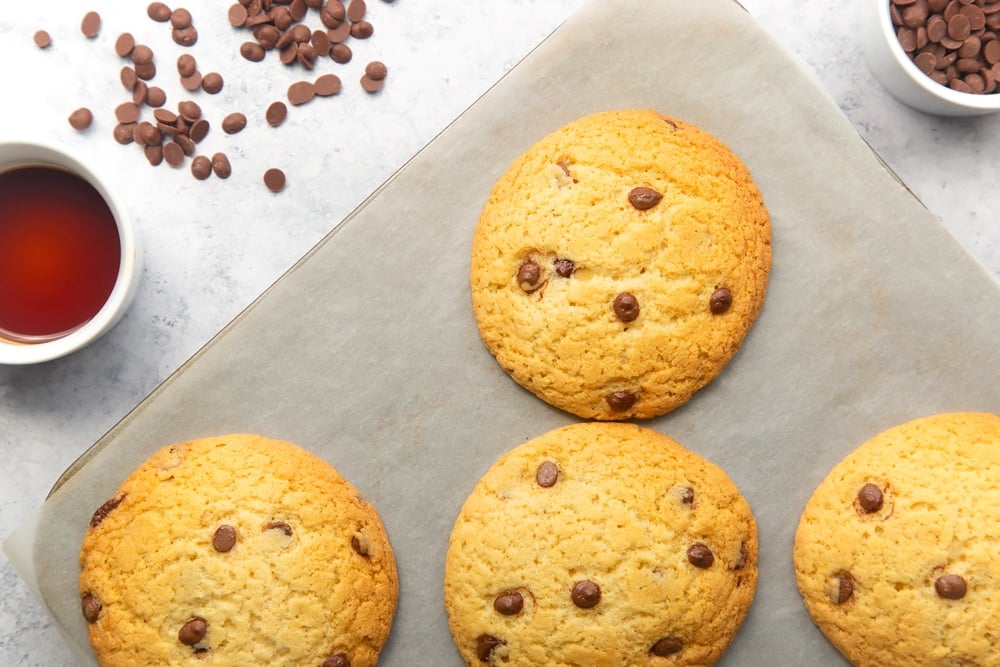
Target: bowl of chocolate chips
[(937, 56)]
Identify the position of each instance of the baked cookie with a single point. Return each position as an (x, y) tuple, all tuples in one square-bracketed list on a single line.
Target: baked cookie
[(897, 554), (237, 550), (600, 544), (619, 263)]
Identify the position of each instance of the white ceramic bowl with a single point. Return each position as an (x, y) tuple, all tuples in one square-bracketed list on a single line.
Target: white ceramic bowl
[(894, 69), (15, 154)]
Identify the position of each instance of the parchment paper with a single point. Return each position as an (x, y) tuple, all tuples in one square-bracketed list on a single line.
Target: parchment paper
[(366, 351)]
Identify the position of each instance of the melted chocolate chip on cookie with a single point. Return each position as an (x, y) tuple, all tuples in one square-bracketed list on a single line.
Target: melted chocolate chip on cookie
[(643, 198), (844, 588), (626, 307), (91, 608), (224, 538), (700, 555), (337, 660), (193, 631), (720, 300), (586, 594), (485, 645), (104, 510), (564, 267), (547, 474), (687, 496), (509, 603), (359, 542), (279, 525), (870, 498), (621, 400), (951, 586), (667, 646), (529, 276)]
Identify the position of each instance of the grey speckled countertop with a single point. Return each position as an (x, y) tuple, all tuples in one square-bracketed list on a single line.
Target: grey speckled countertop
[(212, 247)]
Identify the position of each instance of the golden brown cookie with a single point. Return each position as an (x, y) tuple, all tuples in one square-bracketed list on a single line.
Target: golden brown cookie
[(619, 263), (897, 554), (600, 544), (237, 550)]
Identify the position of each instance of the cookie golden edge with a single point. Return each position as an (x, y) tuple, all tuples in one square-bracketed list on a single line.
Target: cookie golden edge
[(132, 565), (656, 389), (667, 499), (915, 503)]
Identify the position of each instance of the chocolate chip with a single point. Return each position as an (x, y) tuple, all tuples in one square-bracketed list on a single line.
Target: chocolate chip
[(104, 510), (274, 179), (233, 123), (221, 166), (155, 96), (173, 154), (42, 39), (720, 300), (252, 51), (529, 275), (687, 495), (191, 83), (870, 498), (306, 55), (91, 25), (185, 36), (142, 54), (158, 11), (186, 65), (91, 608), (643, 198), (276, 114), (328, 84), (212, 83), (485, 645), (197, 132), (321, 42), (123, 133), (845, 588), (700, 555), (201, 167), (359, 542), (128, 77), (337, 660), (626, 307), (146, 71), (301, 92), (279, 525), (376, 70), (237, 15), (509, 603), (950, 586), (667, 646), (362, 30), (370, 85), (586, 594), (741, 562), (154, 154), (81, 118), (341, 53), (193, 631), (224, 538), (547, 474), (564, 267), (127, 112), (621, 400), (124, 44)]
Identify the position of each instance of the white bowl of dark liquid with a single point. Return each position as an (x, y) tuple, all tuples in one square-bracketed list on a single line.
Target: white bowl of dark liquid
[(69, 257)]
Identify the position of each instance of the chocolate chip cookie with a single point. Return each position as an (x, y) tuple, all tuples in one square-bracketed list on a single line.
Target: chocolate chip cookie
[(600, 544), (896, 554), (237, 550), (619, 263)]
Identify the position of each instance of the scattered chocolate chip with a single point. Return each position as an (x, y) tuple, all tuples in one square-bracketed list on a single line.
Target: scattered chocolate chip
[(359, 542), (844, 589), (123, 133), (81, 118), (201, 167), (666, 646), (643, 198), (870, 498), (237, 15), (376, 70), (362, 30), (337, 660), (586, 594), (370, 85), (306, 55), (341, 53), (564, 267), (224, 538), (186, 143), (529, 275), (621, 400), (42, 39), (234, 122), (276, 114), (301, 92), (142, 54), (140, 93), (180, 18), (626, 307), (146, 71), (321, 42), (212, 83), (91, 25), (328, 84), (189, 110), (720, 300), (186, 65), (700, 555), (485, 645), (124, 44), (185, 36), (104, 510), (950, 586), (127, 112), (191, 83), (193, 631), (509, 603), (91, 608), (252, 51), (221, 166), (197, 132), (173, 154), (356, 10), (128, 77), (158, 11), (547, 474)]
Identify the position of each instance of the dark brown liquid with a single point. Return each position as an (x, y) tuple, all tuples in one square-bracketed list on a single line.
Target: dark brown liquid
[(59, 253)]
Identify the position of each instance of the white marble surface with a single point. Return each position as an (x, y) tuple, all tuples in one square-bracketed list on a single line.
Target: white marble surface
[(212, 247)]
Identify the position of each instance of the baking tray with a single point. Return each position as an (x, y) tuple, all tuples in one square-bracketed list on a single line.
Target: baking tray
[(366, 352)]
